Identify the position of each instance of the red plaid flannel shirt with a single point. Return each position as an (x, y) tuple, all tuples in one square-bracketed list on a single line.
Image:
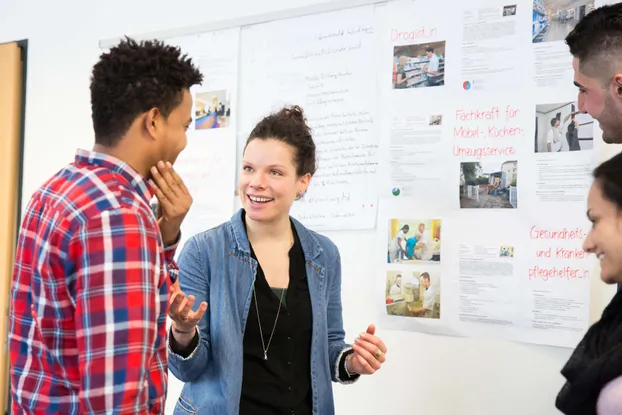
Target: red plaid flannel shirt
[(89, 300)]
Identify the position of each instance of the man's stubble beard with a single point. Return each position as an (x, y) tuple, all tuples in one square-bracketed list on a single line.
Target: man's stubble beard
[(612, 122)]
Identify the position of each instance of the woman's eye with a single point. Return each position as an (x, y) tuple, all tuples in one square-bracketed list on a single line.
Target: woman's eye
[(278, 173)]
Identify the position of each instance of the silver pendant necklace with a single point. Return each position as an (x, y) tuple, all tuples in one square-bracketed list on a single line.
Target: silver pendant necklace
[(278, 311)]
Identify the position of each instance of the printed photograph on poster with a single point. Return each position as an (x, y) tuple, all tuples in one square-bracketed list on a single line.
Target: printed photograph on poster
[(560, 127), (419, 65), (411, 241), (506, 252), (509, 10), (488, 185), (212, 109), (436, 120), (553, 20), (413, 294)]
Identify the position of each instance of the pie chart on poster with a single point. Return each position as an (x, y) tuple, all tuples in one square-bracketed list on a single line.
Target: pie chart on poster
[(466, 85)]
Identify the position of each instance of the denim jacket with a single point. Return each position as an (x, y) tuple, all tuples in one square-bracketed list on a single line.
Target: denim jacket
[(216, 266)]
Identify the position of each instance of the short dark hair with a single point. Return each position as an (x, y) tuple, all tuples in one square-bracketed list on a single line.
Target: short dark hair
[(133, 78), (429, 50), (289, 125), (425, 275), (553, 121), (405, 227), (597, 37), (609, 176)]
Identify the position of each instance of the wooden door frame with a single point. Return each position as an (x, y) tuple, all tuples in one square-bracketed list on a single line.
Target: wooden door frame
[(16, 194)]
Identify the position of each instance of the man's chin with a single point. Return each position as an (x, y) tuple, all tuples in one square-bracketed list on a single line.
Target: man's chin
[(610, 138), (609, 279)]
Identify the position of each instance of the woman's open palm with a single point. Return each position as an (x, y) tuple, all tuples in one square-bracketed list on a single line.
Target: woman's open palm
[(180, 310)]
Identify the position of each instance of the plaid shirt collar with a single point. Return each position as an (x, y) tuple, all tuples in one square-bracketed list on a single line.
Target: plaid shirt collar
[(118, 166)]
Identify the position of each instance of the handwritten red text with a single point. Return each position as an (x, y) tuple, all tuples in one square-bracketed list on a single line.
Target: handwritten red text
[(562, 253), (496, 117), (563, 233), (481, 152), (559, 273), (411, 35)]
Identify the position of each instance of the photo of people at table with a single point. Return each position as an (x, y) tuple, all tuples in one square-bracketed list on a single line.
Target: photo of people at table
[(419, 66), (411, 241)]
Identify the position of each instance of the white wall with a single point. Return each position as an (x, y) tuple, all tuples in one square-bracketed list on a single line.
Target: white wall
[(425, 374), (544, 126)]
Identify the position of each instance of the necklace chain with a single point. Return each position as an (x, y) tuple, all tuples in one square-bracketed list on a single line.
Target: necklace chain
[(278, 311), (265, 349)]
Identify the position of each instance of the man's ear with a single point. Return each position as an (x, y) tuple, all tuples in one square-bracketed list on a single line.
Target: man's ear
[(152, 122), (617, 82)]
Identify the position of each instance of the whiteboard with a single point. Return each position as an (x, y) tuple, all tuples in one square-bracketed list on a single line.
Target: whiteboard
[(329, 70)]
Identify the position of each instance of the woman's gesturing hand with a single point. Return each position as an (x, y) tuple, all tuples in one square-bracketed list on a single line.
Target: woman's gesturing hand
[(369, 353), (180, 311)]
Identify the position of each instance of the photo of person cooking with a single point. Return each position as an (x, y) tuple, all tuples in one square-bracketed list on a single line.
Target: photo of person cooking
[(413, 294)]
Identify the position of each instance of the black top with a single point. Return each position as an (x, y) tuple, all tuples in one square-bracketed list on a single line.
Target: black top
[(281, 384), (594, 363)]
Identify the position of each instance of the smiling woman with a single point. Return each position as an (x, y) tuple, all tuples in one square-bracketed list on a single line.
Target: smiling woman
[(279, 160), (594, 371), (286, 279)]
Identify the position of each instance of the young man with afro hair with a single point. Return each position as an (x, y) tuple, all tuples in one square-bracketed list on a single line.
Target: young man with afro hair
[(94, 265)]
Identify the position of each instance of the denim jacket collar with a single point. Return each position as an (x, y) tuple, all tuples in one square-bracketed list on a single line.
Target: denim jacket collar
[(310, 245)]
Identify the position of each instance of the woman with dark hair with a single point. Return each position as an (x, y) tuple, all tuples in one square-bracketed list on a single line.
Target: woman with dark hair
[(594, 372), (272, 338)]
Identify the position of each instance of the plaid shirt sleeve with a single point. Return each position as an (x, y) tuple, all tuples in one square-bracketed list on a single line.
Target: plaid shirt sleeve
[(117, 305)]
